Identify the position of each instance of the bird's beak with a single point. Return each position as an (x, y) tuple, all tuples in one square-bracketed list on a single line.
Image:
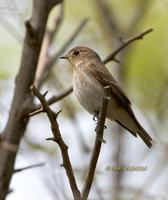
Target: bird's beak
[(64, 57)]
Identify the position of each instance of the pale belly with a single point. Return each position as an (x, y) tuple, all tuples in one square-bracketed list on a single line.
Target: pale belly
[(88, 92)]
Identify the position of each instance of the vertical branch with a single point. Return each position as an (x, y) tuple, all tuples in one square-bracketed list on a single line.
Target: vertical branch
[(97, 145), (47, 42), (22, 100)]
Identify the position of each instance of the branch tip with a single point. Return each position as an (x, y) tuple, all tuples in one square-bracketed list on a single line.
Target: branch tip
[(112, 56), (45, 93)]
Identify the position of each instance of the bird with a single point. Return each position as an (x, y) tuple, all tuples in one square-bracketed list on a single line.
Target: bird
[(90, 76)]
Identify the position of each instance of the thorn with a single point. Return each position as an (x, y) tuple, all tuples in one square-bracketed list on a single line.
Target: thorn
[(121, 40), (117, 61), (62, 165), (51, 139), (102, 140), (31, 87), (45, 93), (57, 113), (105, 127), (10, 191)]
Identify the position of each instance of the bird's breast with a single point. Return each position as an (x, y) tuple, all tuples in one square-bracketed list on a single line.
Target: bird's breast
[(88, 91)]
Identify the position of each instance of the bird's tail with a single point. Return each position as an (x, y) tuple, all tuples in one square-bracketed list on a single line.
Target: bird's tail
[(144, 136), (140, 131)]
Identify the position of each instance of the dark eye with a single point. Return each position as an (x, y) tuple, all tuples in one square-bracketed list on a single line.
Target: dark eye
[(76, 52)]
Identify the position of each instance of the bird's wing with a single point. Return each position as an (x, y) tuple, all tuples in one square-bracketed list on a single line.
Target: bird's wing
[(105, 78)]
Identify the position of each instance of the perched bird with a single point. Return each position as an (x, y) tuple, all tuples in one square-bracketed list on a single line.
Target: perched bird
[(89, 78)]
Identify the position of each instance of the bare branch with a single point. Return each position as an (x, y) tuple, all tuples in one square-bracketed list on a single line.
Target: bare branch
[(97, 145), (52, 116), (67, 43), (47, 42), (142, 8), (49, 62), (22, 100), (29, 167), (109, 17), (38, 109), (113, 55)]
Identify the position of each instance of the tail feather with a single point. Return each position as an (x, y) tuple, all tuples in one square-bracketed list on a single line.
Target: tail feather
[(145, 137), (141, 133)]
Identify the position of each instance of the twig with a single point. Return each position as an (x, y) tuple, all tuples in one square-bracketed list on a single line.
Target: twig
[(28, 167), (55, 98), (67, 43), (97, 145), (50, 61), (113, 55), (142, 8), (52, 116), (109, 17)]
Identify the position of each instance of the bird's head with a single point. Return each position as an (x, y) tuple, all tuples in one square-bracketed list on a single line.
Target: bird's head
[(81, 55)]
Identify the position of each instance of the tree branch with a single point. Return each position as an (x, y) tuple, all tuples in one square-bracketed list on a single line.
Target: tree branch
[(97, 145), (22, 100), (47, 42), (52, 116), (28, 167), (113, 55), (55, 98), (51, 61)]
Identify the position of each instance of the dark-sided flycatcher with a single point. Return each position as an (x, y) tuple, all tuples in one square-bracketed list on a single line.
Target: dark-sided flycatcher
[(89, 78)]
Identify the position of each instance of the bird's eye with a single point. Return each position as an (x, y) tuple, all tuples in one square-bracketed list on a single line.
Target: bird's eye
[(76, 52)]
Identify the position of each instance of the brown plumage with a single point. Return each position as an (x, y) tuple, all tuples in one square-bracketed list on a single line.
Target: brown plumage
[(89, 78)]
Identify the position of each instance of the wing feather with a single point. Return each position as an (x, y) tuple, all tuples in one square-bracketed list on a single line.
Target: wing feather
[(105, 78)]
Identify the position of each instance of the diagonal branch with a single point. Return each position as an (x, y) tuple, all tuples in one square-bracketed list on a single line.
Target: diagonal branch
[(51, 61), (52, 116), (97, 145), (113, 55), (55, 98), (67, 43)]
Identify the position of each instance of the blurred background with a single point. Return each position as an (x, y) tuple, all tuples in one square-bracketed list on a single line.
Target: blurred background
[(143, 74)]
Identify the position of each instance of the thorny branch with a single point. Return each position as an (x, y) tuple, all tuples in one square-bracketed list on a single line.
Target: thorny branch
[(52, 116), (55, 98), (64, 149)]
